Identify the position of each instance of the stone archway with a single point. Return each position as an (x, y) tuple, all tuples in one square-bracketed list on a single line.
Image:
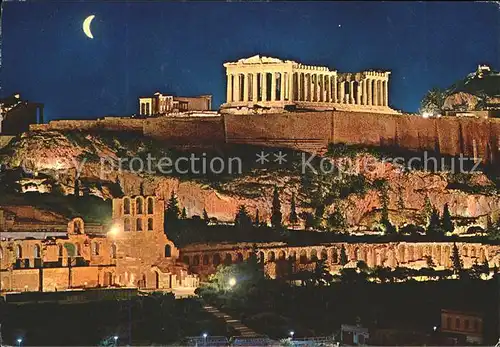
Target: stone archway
[(157, 280)]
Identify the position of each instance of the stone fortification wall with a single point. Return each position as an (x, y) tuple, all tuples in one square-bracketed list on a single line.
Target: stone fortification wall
[(311, 131), (195, 131)]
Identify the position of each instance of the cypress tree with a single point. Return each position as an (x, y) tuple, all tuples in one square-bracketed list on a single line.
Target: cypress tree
[(276, 216), (455, 260), (446, 222), (293, 218), (205, 216), (385, 208), (77, 185), (184, 213), (172, 212), (257, 218), (343, 256), (434, 226), (242, 219), (427, 209)]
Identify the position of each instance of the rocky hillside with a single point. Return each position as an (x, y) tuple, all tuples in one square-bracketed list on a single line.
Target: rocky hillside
[(356, 191), (480, 90)]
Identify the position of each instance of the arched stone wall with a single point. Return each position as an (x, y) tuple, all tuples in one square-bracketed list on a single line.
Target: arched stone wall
[(405, 254)]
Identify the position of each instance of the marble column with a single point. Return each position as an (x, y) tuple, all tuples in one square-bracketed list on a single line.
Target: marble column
[(386, 93), (307, 84), (318, 87), (318, 90), (334, 89), (377, 95), (358, 93), (351, 92), (365, 92), (282, 89), (300, 87), (369, 91), (312, 92), (291, 87), (342, 92), (263, 85), (326, 88), (273, 86), (245, 87), (255, 92), (236, 95), (229, 91)]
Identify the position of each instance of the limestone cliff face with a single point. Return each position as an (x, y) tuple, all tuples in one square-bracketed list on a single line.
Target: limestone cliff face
[(58, 153)]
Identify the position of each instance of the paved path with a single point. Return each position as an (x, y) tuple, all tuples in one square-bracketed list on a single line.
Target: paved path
[(235, 323)]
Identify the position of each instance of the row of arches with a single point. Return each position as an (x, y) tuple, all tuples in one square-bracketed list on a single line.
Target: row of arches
[(139, 224), (71, 250), (376, 255), (139, 205)]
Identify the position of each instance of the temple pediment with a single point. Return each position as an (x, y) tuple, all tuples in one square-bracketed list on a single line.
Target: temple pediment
[(257, 59)]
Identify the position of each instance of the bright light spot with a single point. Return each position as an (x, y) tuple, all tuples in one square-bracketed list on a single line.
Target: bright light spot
[(205, 335), (115, 337), (292, 333), (232, 282), (19, 340), (426, 114), (340, 25), (114, 230), (435, 328)]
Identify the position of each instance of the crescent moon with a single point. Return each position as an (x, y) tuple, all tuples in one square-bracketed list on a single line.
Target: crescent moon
[(86, 26)]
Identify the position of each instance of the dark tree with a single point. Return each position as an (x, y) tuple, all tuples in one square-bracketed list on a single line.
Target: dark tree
[(77, 185), (446, 222), (172, 212), (336, 219), (257, 218), (433, 101), (434, 227), (384, 219), (308, 220), (343, 256), (430, 261), (401, 201), (456, 261), (321, 275), (206, 219), (276, 216), (184, 213), (485, 267), (427, 209), (293, 218), (242, 219)]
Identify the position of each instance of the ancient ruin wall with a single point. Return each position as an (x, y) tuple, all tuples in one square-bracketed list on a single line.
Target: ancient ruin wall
[(314, 130), (311, 131), (196, 131), (301, 130)]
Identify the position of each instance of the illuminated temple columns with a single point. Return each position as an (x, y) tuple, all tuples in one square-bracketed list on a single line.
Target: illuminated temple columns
[(255, 92), (279, 83)]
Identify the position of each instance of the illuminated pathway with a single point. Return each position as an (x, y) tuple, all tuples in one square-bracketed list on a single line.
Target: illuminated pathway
[(234, 323)]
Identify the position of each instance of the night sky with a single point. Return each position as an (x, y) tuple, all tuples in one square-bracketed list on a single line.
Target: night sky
[(179, 48)]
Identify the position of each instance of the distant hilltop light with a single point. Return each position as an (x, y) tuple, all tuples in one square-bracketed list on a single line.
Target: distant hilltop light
[(483, 68)]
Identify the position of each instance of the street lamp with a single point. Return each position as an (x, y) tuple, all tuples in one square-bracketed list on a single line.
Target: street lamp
[(115, 338), (205, 338), (291, 334), (19, 341), (114, 230), (435, 328)]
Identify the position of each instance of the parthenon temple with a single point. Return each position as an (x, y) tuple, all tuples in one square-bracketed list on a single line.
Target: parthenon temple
[(274, 83)]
